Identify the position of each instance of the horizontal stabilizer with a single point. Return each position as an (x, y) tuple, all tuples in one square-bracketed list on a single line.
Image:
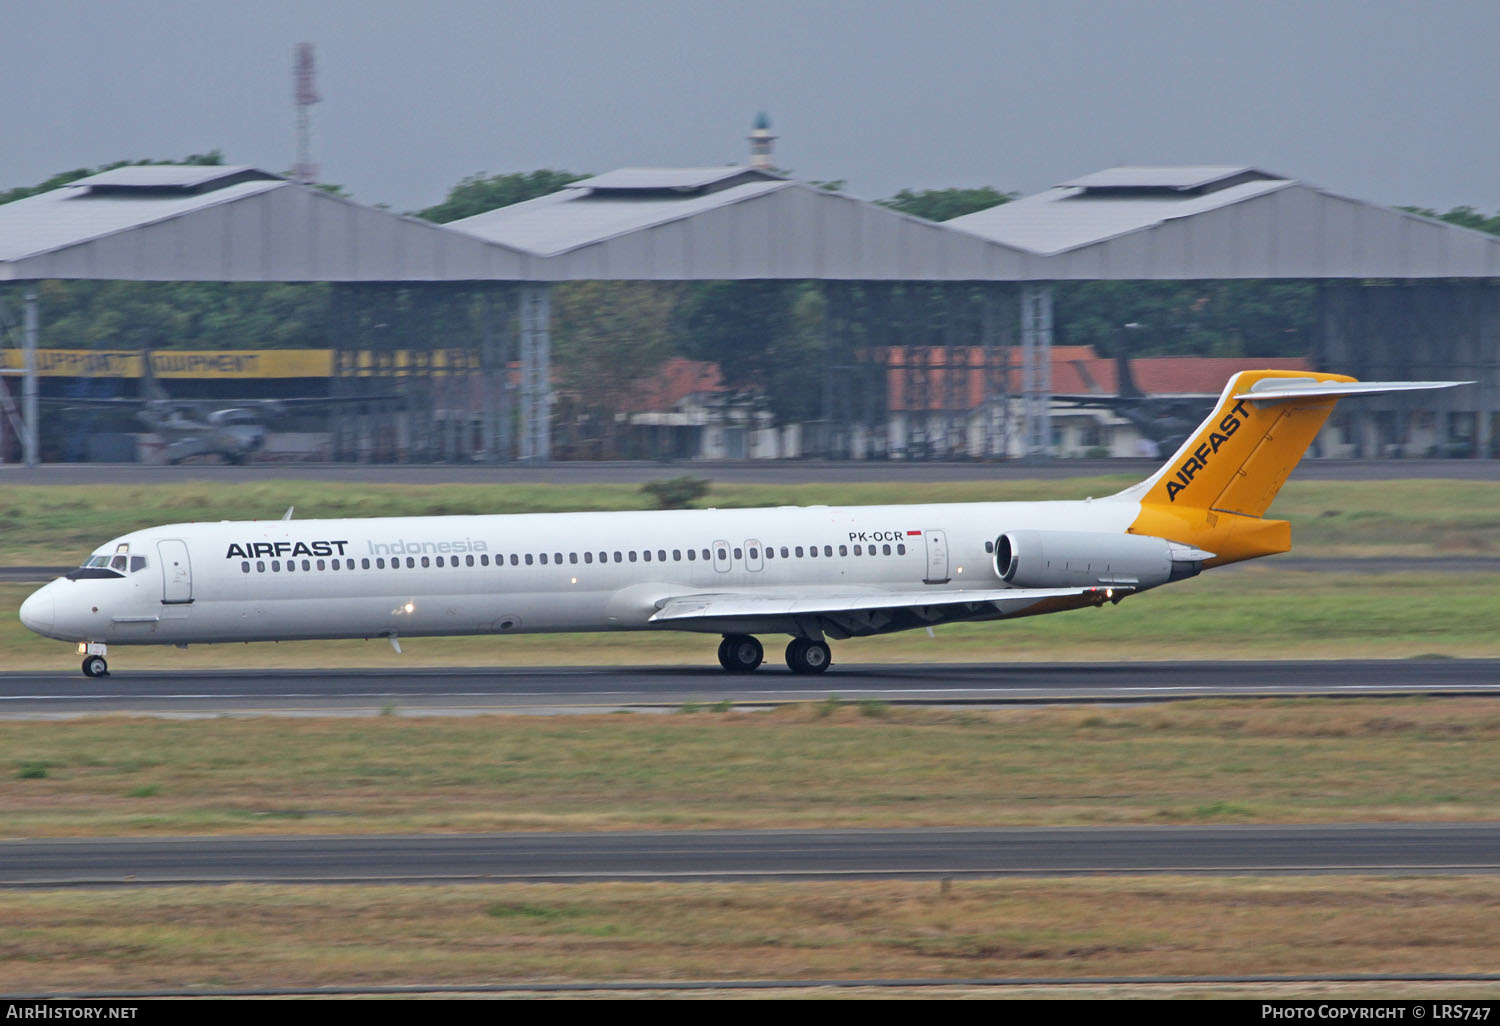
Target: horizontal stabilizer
[(1311, 388)]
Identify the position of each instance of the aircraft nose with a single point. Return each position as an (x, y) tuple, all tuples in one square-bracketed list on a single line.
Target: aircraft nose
[(39, 611)]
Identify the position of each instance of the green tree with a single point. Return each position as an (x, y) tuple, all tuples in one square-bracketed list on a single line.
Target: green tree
[(946, 204), (212, 158), (476, 194), (609, 338), (1464, 217), (1197, 318), (766, 337)]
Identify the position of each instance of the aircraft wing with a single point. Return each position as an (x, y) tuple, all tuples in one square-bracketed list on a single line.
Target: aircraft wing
[(931, 606)]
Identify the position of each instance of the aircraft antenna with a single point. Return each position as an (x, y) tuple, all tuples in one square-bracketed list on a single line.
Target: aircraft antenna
[(305, 93)]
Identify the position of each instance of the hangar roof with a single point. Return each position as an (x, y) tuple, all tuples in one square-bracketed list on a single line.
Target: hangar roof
[(733, 222), (236, 223), (1225, 222)]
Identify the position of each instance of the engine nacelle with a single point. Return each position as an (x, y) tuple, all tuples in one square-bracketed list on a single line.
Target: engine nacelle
[(1084, 559)]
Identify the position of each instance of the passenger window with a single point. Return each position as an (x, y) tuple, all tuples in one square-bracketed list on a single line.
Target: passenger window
[(484, 560), (661, 555), (245, 567), (515, 560), (275, 566), (557, 558), (411, 562), (646, 555), (573, 558), (260, 566), (812, 551), (632, 555), (755, 553), (364, 564), (706, 556), (784, 553), (439, 561), (692, 555), (529, 560), (588, 557), (828, 550), (723, 554), (989, 546), (739, 553), (677, 555), (900, 550), (543, 558), (859, 550), (886, 549), (468, 560), (291, 565), (619, 558), (321, 567), (843, 550), (799, 551)]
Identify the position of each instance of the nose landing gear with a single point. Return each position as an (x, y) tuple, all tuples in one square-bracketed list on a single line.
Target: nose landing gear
[(95, 666)]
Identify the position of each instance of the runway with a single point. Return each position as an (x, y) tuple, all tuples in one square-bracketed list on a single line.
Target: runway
[(592, 689), (1427, 848)]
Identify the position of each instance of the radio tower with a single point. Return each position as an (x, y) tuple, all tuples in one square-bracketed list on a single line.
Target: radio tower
[(305, 92)]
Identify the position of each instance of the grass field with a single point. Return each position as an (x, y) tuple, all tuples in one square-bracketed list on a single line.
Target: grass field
[(264, 936), (57, 525), (829, 764), (1255, 612)]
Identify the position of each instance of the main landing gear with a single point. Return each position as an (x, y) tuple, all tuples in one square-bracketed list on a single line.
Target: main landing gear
[(740, 653)]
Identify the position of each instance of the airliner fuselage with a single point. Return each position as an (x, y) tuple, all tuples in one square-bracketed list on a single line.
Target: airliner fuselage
[(807, 572)]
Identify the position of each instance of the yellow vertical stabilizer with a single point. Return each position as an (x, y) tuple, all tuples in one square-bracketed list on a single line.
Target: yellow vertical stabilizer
[(1214, 490)]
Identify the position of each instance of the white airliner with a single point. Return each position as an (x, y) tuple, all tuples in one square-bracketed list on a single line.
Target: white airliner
[(810, 572)]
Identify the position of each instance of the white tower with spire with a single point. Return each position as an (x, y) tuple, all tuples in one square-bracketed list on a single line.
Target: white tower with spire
[(760, 143)]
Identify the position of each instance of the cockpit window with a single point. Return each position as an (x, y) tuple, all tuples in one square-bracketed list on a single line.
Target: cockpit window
[(137, 563), (120, 563)]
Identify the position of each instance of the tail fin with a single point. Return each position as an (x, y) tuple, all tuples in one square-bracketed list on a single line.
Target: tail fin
[(1237, 460)]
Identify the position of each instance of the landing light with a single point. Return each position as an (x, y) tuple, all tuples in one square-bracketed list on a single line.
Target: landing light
[(575, 580), (408, 607)]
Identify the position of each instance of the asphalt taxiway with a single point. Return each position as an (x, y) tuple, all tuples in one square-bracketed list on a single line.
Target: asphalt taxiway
[(1426, 848), (587, 689)]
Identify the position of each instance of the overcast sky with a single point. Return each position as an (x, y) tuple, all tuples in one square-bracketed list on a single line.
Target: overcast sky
[(1384, 100)]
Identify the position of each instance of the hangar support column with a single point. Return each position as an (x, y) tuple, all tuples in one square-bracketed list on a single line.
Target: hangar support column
[(1036, 369), (536, 374)]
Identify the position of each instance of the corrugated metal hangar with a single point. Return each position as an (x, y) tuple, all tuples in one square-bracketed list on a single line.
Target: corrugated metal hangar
[(1401, 295)]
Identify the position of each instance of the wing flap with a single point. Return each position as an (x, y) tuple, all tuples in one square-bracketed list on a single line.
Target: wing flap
[(731, 605)]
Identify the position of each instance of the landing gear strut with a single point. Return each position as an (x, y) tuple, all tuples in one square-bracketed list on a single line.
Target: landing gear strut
[(740, 653), (95, 666), (805, 655)]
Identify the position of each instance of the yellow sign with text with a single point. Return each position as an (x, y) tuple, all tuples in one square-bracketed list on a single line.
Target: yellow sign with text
[(232, 363)]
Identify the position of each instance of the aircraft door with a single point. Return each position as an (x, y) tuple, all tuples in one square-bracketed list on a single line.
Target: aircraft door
[(753, 555), (937, 557), (723, 562), (176, 572)]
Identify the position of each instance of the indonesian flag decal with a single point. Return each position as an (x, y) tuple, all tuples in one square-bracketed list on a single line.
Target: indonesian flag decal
[(910, 533)]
